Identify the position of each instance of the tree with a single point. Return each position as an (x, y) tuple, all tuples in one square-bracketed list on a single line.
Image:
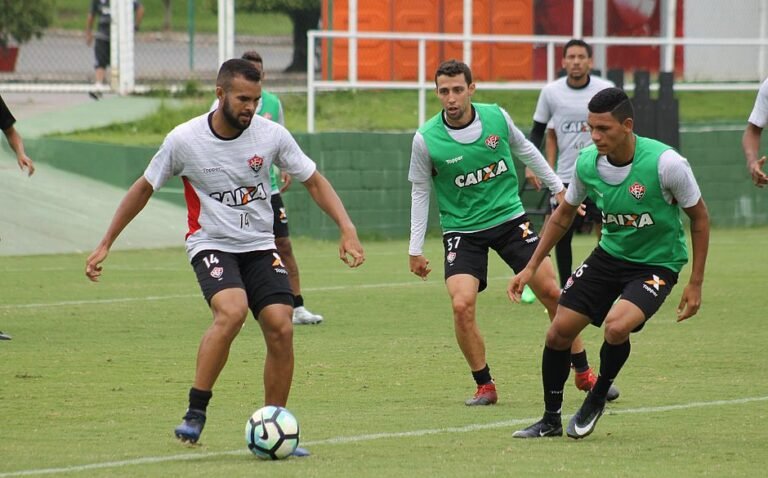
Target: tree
[(20, 21), (304, 15)]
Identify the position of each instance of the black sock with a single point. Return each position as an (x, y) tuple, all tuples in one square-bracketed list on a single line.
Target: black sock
[(555, 367), (552, 417), (564, 256), (580, 362), (298, 301), (612, 358), (198, 399), (482, 376)]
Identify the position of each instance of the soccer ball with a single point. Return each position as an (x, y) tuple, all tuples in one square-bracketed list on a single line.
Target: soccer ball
[(272, 433)]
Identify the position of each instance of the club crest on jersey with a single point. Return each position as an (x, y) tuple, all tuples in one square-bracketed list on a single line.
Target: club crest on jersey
[(217, 272), (255, 163), (492, 141), (267, 116), (637, 190), (451, 257)]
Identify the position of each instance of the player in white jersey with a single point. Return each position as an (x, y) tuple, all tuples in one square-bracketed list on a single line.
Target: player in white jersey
[(271, 107), (750, 142), (223, 159), (563, 106)]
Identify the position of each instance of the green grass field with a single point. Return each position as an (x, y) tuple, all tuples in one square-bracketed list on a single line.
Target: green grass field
[(96, 375)]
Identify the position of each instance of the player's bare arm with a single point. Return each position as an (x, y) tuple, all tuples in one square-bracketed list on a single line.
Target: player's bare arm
[(16, 143), (750, 142), (131, 205), (286, 179), (691, 298), (350, 249), (419, 265), (558, 224)]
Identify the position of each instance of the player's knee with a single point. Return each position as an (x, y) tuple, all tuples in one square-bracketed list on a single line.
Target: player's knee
[(548, 295), (558, 340), (616, 332), (279, 337), (463, 308), (230, 316)]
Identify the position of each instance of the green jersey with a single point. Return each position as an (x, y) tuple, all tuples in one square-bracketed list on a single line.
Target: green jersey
[(639, 225), (476, 183), (270, 109)]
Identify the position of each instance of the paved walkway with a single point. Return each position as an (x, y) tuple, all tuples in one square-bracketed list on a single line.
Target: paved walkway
[(57, 212)]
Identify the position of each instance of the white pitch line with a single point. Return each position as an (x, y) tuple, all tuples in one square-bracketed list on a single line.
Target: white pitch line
[(416, 282), (362, 438)]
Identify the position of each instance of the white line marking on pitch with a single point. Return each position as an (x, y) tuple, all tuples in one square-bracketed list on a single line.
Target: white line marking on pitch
[(117, 300), (361, 438)]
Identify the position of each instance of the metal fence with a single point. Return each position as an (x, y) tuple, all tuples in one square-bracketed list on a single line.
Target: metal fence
[(61, 61)]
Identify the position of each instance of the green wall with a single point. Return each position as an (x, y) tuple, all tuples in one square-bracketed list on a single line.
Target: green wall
[(370, 171)]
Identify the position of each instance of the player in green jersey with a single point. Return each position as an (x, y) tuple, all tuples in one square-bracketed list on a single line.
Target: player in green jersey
[(465, 153), (640, 185), (271, 108)]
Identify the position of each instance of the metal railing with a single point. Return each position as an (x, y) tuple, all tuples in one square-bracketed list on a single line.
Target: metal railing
[(424, 83)]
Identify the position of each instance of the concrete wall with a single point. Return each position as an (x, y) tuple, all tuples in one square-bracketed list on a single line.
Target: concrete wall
[(370, 170), (722, 19)]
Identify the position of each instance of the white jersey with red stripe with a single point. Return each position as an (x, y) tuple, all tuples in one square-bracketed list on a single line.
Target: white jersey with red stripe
[(226, 181)]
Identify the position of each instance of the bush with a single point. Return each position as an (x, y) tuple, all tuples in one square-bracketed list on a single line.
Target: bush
[(20, 20)]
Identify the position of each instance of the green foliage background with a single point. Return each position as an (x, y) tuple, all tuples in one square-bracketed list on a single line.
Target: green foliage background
[(21, 21)]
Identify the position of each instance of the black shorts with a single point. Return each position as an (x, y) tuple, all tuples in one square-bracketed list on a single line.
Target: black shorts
[(260, 273), (601, 279), (467, 252), (280, 222), (101, 50), (593, 214)]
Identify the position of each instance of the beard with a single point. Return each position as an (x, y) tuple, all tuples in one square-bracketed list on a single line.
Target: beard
[(238, 122), (579, 76)]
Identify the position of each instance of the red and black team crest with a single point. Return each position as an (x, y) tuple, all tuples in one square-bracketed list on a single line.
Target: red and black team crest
[(637, 190), (255, 163), (492, 141), (268, 116)]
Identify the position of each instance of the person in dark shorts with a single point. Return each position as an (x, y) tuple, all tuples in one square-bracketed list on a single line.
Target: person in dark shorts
[(223, 158), (7, 122), (270, 107), (465, 153), (562, 107), (640, 185), (100, 14)]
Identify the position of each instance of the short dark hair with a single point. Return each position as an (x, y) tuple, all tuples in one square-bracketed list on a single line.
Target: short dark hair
[(252, 55), (577, 42), (236, 67), (614, 101), (454, 68)]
